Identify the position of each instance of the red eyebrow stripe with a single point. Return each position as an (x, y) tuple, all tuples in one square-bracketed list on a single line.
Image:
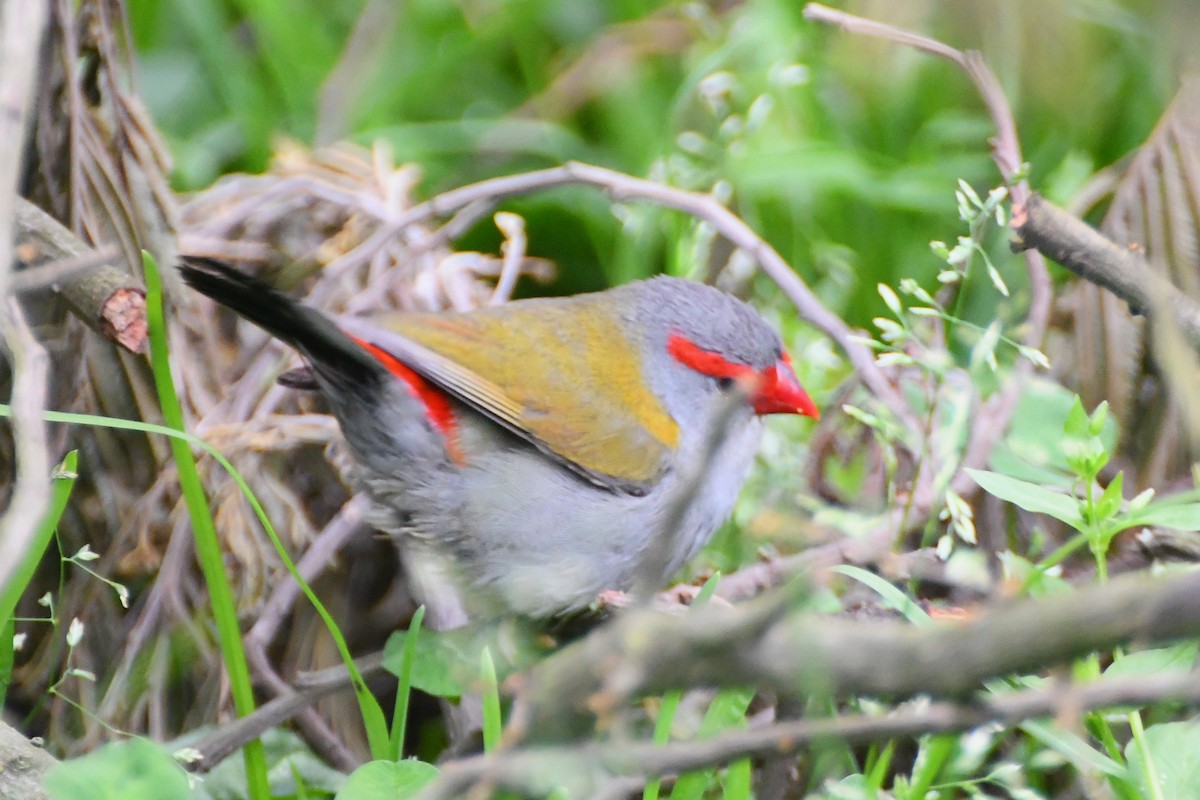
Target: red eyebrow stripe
[(436, 402), (704, 361)]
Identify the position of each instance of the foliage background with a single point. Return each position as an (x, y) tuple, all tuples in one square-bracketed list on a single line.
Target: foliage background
[(844, 153), (848, 175)]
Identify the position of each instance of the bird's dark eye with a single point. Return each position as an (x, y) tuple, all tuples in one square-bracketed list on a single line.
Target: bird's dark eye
[(725, 383)]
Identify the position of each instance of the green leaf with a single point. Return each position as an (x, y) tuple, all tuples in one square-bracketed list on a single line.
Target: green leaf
[(404, 687), (1174, 748), (997, 281), (726, 712), (1110, 501), (204, 529), (444, 662), (387, 780), (137, 769), (1073, 748), (891, 596), (1180, 516), (1077, 420), (493, 724), (1155, 661), (1097, 419), (1029, 496), (890, 299)]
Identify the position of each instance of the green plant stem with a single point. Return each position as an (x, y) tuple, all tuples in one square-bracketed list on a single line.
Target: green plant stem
[(1089, 670), (493, 724), (670, 700), (933, 755), (662, 735), (367, 702), (877, 766), (208, 545), (1149, 772), (404, 686), (10, 594)]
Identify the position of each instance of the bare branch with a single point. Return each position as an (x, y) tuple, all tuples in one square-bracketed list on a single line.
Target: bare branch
[(25, 764), (1088, 253), (22, 25), (106, 297), (764, 644), (312, 687), (591, 767), (1006, 152), (479, 197)]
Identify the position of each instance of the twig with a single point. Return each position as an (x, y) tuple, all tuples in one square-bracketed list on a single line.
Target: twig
[(513, 248), (996, 413), (764, 644), (107, 298), (316, 558), (312, 686), (656, 563), (1088, 253), (30, 495), (49, 275), (22, 25), (486, 194), (590, 767)]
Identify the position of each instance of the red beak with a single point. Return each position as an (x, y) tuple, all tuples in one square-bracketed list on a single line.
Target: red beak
[(779, 392)]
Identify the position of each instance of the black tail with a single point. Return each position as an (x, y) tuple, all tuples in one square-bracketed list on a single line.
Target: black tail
[(332, 353)]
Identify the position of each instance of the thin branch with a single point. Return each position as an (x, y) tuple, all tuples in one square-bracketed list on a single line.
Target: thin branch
[(1089, 254), (106, 297), (22, 24), (316, 559), (30, 495), (49, 275), (765, 644), (591, 767), (513, 249), (486, 194), (655, 562), (1006, 152), (312, 686)]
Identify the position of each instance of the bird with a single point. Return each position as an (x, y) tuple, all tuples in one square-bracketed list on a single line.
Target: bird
[(539, 450)]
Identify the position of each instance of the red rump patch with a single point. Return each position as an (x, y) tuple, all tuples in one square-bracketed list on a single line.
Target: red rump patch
[(437, 404)]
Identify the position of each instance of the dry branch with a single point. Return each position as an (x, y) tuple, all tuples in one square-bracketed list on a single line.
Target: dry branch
[(766, 645), (1089, 254), (22, 765), (594, 767), (481, 197), (106, 297), (22, 25)]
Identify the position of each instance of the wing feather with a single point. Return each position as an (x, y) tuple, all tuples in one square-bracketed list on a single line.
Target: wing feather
[(592, 410)]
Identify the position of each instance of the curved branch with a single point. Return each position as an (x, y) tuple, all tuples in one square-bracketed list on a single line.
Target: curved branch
[(1091, 255), (765, 644), (590, 767), (486, 194)]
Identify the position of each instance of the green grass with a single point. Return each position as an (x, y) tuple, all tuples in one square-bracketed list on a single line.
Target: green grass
[(62, 482)]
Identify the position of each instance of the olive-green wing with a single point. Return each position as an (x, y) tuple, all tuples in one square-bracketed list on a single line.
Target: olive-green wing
[(558, 372)]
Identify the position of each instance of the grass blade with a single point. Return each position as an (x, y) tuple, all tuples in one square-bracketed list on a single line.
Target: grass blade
[(10, 595)]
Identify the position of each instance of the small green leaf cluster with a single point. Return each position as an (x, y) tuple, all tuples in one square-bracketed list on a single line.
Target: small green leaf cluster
[(1096, 514)]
